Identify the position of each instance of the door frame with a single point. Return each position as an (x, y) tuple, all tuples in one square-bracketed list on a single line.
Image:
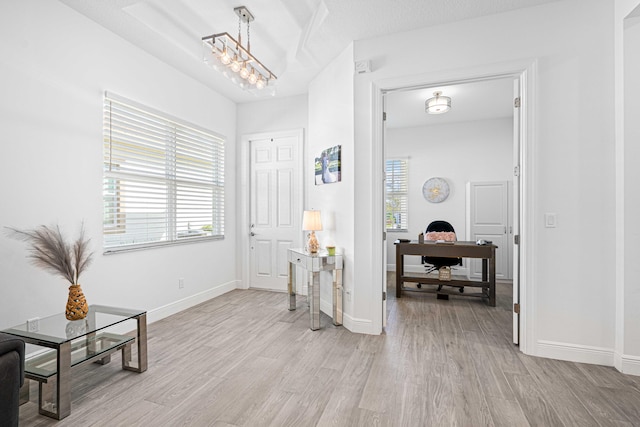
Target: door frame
[(525, 72), (244, 202)]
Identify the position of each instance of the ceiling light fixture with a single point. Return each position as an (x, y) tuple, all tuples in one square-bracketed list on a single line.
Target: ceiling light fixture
[(438, 104), (224, 53)]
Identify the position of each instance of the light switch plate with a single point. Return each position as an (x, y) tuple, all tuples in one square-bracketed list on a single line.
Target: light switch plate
[(550, 220)]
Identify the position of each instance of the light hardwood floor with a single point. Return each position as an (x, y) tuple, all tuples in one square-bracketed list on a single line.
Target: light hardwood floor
[(244, 360)]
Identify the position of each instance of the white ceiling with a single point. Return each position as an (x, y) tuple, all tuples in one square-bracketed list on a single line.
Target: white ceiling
[(481, 100), (294, 38)]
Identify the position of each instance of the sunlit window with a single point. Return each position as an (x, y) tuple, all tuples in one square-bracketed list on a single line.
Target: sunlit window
[(163, 179), (396, 194)]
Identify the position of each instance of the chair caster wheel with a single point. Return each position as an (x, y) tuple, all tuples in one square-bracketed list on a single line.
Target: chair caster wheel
[(419, 285), (461, 290)]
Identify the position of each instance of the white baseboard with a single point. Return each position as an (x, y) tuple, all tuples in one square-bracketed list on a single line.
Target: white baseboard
[(177, 306), (627, 364), (358, 326), (575, 353), (160, 313)]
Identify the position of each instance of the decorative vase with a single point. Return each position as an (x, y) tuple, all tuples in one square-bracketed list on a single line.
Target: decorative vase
[(77, 307)]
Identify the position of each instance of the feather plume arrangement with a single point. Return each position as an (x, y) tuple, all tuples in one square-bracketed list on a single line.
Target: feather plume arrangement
[(51, 252)]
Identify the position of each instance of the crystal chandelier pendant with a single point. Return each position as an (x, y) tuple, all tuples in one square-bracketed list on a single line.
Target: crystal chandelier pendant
[(236, 62)]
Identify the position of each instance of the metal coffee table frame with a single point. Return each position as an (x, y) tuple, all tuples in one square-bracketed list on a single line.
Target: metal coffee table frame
[(89, 343)]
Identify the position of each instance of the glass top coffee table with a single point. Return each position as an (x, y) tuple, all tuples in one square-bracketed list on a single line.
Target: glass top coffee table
[(74, 343)]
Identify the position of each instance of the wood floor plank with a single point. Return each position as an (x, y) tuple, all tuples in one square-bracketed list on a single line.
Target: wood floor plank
[(470, 406), (569, 408), (492, 378), (505, 354), (595, 399), (537, 409), (244, 359), (342, 407), (626, 400), (506, 413)]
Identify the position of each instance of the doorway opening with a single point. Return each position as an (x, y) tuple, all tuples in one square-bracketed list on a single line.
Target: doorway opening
[(488, 149)]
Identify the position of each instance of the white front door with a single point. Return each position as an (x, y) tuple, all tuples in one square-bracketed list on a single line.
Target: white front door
[(276, 207), (489, 220)]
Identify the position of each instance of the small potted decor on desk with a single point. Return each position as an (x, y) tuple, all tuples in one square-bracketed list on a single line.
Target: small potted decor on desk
[(51, 252)]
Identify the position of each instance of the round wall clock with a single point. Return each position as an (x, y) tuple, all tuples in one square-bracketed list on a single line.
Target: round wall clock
[(435, 190)]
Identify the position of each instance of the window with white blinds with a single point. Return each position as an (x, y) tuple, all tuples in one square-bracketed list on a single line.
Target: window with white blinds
[(163, 178), (397, 194)]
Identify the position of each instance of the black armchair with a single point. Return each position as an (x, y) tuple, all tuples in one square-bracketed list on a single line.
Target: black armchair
[(11, 378), (436, 263)]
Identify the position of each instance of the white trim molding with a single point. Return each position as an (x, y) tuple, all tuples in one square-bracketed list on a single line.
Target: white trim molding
[(175, 307), (160, 313), (358, 326), (352, 324), (576, 353), (627, 364), (525, 71)]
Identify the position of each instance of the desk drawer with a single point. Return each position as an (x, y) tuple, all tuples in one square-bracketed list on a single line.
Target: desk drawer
[(315, 263), (303, 261)]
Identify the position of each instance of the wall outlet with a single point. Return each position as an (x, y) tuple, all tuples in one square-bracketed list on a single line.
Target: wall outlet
[(180, 283), (33, 325)]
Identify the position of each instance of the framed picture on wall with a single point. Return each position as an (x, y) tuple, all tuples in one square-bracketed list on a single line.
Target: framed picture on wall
[(328, 166)]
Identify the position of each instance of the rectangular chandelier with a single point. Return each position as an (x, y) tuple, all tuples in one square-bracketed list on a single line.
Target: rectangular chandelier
[(232, 59)]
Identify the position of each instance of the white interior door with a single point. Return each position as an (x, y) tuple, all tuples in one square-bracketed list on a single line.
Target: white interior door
[(515, 218), (276, 208), (384, 224), (489, 220)]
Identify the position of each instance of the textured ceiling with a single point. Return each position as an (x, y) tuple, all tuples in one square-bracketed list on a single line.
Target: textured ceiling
[(294, 38)]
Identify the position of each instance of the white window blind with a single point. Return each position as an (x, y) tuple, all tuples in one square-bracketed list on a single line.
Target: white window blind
[(163, 178), (397, 194)]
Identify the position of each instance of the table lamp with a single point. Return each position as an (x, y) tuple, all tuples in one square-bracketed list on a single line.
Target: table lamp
[(311, 221)]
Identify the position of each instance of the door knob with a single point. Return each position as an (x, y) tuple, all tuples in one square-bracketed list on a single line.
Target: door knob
[(252, 234)]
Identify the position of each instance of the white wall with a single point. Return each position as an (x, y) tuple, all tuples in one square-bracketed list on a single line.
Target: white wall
[(627, 61), (274, 114), (475, 151), (330, 124), (55, 66), (571, 156), (632, 176)]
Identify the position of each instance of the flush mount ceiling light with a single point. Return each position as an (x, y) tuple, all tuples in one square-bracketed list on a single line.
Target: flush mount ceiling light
[(232, 59), (438, 104)]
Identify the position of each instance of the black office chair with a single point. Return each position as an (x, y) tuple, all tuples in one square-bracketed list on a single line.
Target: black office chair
[(435, 263)]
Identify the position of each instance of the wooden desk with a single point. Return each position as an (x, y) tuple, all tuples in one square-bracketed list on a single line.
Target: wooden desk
[(449, 250)]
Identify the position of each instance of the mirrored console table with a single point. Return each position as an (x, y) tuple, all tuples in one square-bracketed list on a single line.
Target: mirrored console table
[(314, 264)]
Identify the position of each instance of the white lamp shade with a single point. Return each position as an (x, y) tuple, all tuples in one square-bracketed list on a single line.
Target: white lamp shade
[(438, 104), (311, 221)]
